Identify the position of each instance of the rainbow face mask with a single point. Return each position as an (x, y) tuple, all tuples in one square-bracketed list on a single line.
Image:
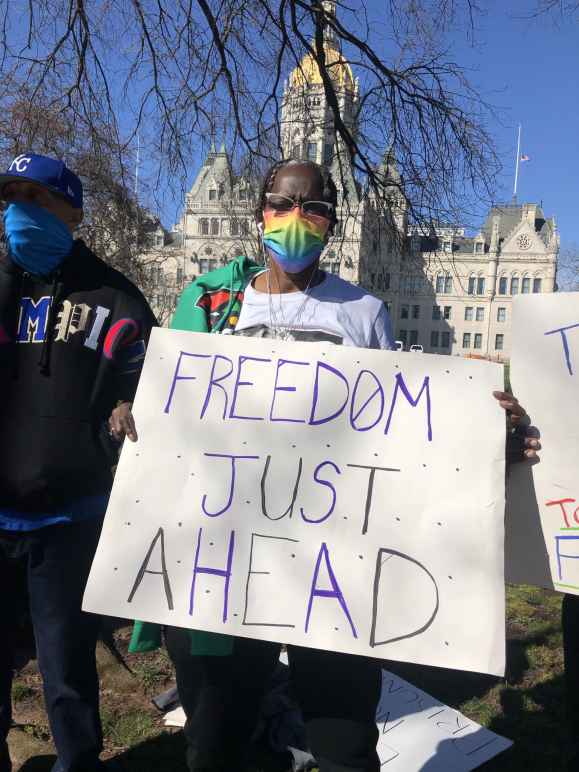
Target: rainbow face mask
[(293, 240)]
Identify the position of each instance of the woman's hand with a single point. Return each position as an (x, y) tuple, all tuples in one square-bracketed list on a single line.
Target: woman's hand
[(122, 423), (520, 432)]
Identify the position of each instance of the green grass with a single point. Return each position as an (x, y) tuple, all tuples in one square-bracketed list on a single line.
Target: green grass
[(527, 706)]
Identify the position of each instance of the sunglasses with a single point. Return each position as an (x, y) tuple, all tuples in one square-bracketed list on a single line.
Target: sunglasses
[(284, 204)]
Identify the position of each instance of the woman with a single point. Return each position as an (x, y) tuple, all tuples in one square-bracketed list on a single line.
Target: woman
[(221, 685)]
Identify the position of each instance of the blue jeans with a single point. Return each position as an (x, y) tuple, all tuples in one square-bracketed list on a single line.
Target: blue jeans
[(57, 560)]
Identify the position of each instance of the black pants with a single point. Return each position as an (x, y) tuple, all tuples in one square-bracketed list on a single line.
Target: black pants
[(58, 560), (338, 694), (570, 621)]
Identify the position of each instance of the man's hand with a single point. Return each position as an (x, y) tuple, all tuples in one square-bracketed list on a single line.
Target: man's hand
[(519, 427), (122, 423)]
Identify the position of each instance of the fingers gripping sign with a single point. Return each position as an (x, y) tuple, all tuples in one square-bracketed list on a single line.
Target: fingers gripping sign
[(122, 423), (522, 438)]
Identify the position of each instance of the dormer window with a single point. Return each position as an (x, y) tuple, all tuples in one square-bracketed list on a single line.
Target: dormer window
[(243, 194), (212, 194), (478, 247)]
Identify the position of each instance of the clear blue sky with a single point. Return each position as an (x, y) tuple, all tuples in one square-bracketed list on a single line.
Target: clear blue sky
[(528, 68)]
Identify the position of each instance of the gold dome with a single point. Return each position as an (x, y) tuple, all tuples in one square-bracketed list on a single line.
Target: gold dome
[(308, 73)]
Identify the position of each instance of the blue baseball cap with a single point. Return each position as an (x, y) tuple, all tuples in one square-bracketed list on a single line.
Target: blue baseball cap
[(45, 171)]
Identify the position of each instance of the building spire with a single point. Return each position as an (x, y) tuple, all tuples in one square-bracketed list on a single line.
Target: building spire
[(329, 7)]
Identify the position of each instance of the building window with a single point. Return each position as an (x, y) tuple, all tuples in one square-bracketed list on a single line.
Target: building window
[(404, 311), (416, 312), (204, 227), (526, 288), (235, 228), (515, 285), (203, 265), (478, 340), (335, 267), (501, 314), (503, 285), (447, 246), (434, 338), (468, 314), (480, 286), (536, 285), (439, 284), (244, 227), (403, 335), (243, 194), (471, 285), (212, 264), (436, 313), (480, 314), (413, 337), (447, 312), (499, 342), (328, 154), (312, 151), (448, 285), (214, 227), (387, 305), (478, 247), (179, 277), (296, 153), (212, 195), (466, 340), (445, 340)]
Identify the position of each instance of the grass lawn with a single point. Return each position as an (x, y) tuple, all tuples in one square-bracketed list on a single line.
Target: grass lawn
[(527, 706)]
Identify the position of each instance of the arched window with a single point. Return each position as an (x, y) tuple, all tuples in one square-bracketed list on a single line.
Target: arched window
[(503, 285), (515, 281), (235, 227), (526, 285), (480, 285), (215, 227), (471, 284), (537, 281), (204, 227)]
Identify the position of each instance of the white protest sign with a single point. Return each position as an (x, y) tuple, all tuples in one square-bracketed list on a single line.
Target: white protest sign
[(417, 732), (543, 499), (306, 493)]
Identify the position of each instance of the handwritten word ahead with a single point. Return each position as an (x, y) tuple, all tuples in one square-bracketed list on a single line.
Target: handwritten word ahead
[(366, 400), (324, 586)]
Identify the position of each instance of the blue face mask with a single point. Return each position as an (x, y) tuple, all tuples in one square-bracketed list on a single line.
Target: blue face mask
[(37, 240)]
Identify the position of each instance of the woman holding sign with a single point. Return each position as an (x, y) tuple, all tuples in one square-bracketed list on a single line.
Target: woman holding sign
[(222, 680)]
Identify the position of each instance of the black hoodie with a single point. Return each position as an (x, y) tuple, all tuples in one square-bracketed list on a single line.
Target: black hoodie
[(71, 347)]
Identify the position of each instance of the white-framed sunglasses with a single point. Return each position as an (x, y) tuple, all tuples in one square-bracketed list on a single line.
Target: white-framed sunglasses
[(280, 203)]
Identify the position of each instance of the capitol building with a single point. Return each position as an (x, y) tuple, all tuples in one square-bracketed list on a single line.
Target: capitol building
[(448, 292)]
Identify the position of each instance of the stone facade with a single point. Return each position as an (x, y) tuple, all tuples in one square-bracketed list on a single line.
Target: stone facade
[(453, 294)]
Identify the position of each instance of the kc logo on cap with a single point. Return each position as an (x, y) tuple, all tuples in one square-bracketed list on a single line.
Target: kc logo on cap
[(20, 164), (48, 172)]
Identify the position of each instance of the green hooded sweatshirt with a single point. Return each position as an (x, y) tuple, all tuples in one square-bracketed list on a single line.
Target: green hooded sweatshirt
[(211, 303)]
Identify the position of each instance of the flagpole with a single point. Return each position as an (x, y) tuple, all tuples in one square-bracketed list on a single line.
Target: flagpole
[(517, 162)]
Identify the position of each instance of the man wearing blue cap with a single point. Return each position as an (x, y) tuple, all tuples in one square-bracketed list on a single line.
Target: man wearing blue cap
[(72, 339)]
